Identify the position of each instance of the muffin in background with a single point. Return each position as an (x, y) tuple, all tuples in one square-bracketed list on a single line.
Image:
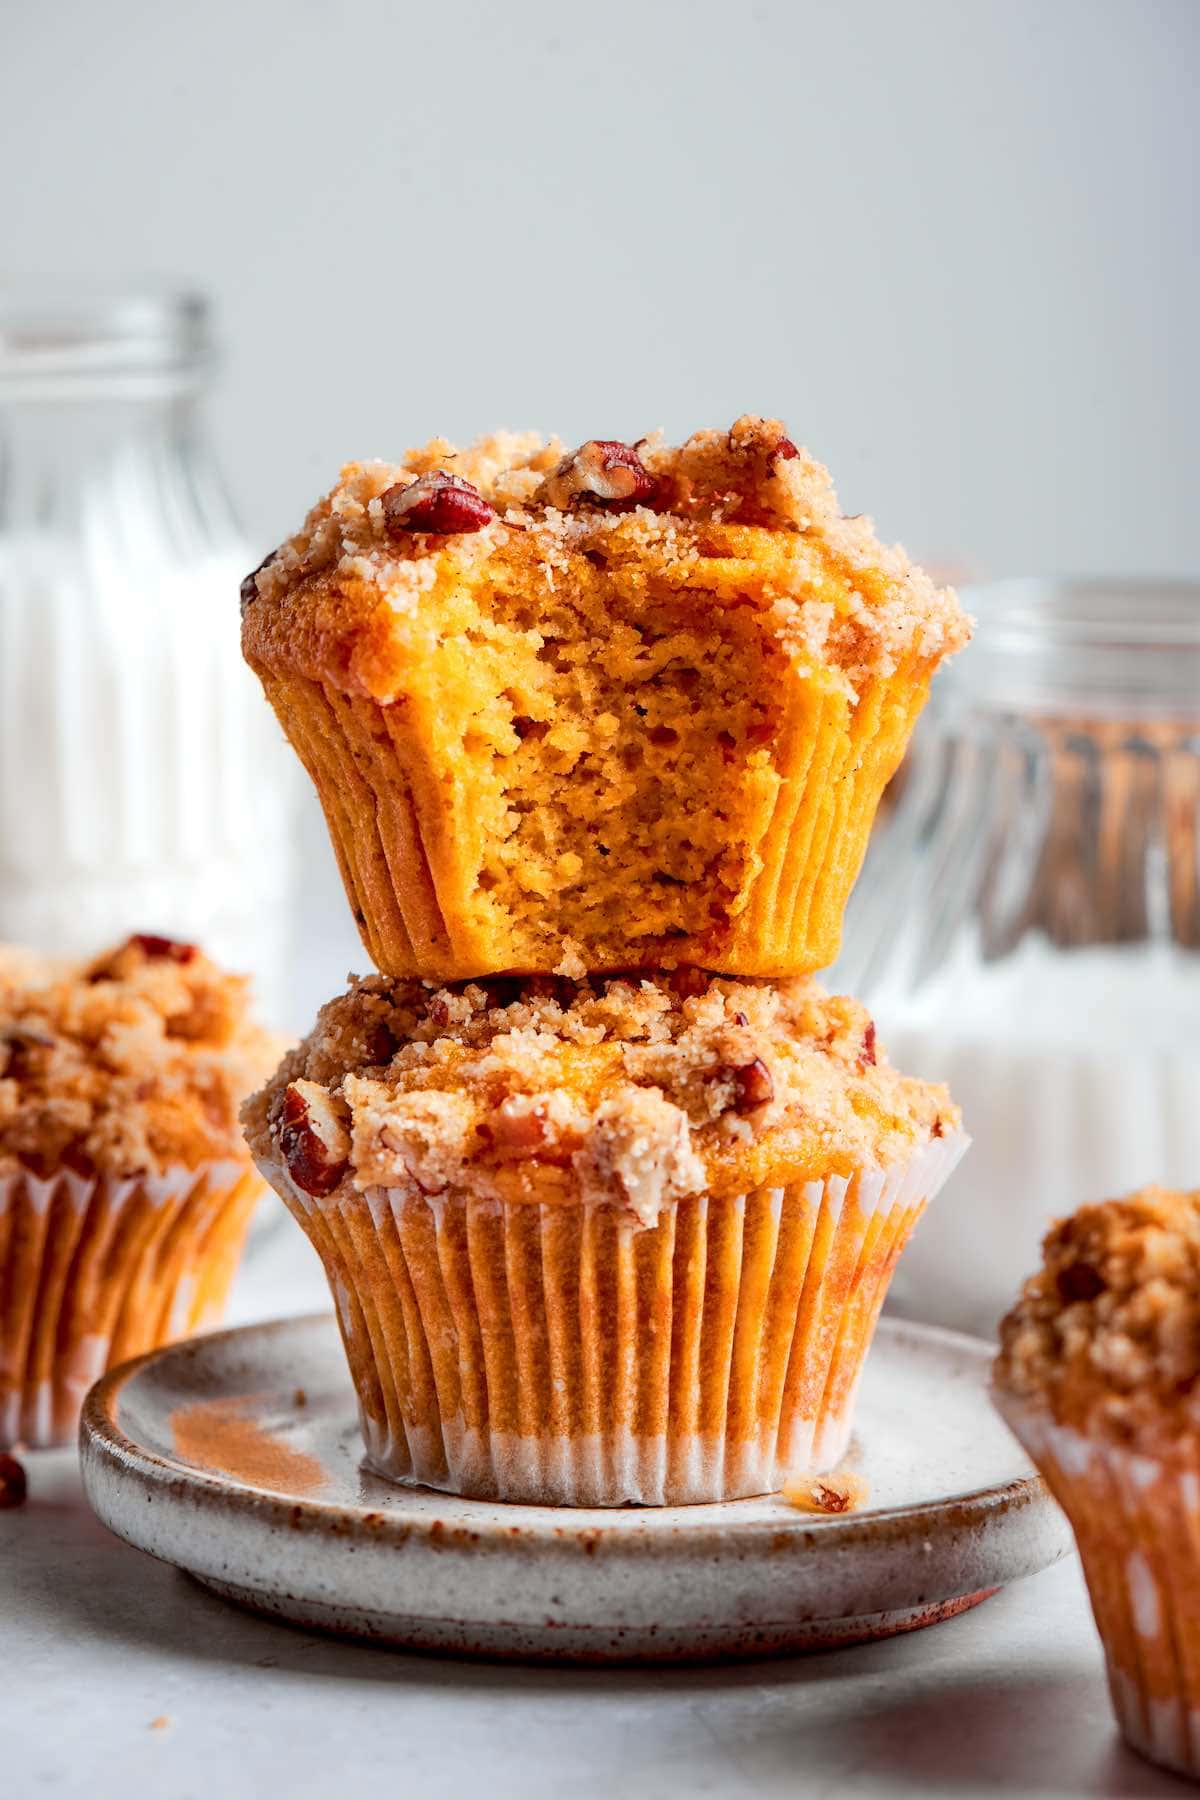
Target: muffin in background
[(620, 1240), (631, 706), (125, 1186), (1099, 1377)]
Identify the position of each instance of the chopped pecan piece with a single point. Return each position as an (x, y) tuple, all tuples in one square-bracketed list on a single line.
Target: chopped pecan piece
[(1080, 1281), (13, 1486), (313, 1141), (689, 982), (381, 1044), (145, 944), (753, 1085), (19, 1045), (603, 472), (248, 591), (439, 502), (158, 949)]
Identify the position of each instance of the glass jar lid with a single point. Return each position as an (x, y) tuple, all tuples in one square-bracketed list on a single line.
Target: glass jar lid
[(1112, 647), (60, 339)]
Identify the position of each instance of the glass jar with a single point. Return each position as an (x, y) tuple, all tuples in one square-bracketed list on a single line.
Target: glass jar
[(144, 784), (1027, 923)]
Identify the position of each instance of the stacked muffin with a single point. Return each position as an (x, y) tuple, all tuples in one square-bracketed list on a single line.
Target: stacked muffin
[(608, 1190)]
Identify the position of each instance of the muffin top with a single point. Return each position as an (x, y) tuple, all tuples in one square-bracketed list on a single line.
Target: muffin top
[(738, 518), (1106, 1334), (636, 1090), (125, 1065)]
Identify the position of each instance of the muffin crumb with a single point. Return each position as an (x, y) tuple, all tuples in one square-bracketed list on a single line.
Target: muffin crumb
[(838, 1492)]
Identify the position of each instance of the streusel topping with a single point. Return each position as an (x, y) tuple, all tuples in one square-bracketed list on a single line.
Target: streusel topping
[(741, 516), (127, 1064), (632, 1089), (1106, 1334)]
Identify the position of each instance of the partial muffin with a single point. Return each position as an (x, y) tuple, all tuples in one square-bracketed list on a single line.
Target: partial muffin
[(618, 1240), (620, 707), (125, 1186), (1099, 1377)]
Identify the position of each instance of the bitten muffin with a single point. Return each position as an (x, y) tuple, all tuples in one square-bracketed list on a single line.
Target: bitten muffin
[(620, 707), (125, 1186), (1099, 1377), (617, 1240)]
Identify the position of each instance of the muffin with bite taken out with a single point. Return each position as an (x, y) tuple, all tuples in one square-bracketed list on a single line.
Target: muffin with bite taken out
[(627, 706)]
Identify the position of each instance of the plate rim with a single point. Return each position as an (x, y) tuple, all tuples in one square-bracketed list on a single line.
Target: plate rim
[(102, 1440)]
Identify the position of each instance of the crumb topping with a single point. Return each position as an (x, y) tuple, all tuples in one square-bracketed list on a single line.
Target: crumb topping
[(124, 1065), (632, 1089), (1106, 1334), (742, 516)]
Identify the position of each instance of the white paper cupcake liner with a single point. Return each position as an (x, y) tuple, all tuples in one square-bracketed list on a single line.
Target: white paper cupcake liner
[(95, 1269), (566, 1355), (1137, 1523)]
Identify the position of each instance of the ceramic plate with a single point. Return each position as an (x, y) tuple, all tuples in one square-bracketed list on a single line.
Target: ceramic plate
[(237, 1457)]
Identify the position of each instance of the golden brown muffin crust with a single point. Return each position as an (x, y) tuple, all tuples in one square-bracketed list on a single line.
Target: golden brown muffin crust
[(128, 1064), (742, 517), (636, 1089), (1106, 1334)]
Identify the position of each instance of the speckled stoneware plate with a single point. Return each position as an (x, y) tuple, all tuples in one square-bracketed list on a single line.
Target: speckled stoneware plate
[(237, 1457)]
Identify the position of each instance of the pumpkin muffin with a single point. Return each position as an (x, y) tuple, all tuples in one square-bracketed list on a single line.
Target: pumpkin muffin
[(626, 706), (125, 1187), (1099, 1376), (618, 1240)]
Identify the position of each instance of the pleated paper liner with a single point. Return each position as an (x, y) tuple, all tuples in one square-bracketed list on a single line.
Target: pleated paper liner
[(565, 1355), (1137, 1524), (403, 844), (94, 1270)]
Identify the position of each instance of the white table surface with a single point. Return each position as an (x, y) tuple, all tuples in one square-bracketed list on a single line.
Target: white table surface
[(121, 1677)]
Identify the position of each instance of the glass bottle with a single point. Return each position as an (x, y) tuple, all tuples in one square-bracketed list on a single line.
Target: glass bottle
[(1027, 923), (143, 783)]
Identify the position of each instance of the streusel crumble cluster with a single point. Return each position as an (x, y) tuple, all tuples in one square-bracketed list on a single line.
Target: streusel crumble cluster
[(125, 1064), (632, 1090)]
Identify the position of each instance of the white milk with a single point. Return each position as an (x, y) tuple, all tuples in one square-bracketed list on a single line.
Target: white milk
[(1078, 1074), (144, 784)]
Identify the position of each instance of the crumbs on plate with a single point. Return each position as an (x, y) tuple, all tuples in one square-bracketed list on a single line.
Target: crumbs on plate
[(840, 1492)]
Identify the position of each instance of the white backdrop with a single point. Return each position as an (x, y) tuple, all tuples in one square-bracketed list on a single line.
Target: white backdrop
[(953, 242)]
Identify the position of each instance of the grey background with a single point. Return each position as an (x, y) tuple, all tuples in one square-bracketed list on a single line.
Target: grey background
[(953, 242)]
